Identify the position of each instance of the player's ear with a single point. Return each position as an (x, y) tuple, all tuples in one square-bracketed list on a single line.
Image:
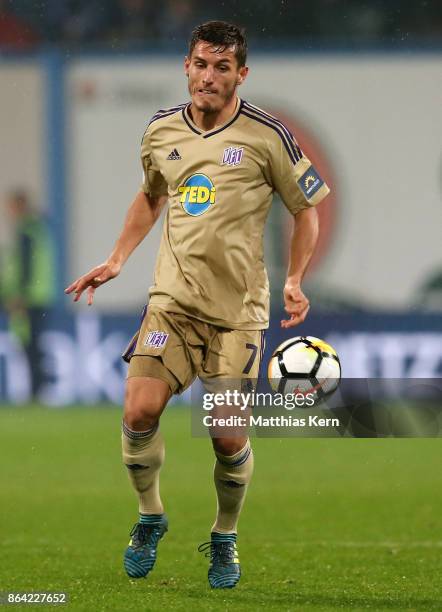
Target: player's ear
[(242, 73), (186, 66)]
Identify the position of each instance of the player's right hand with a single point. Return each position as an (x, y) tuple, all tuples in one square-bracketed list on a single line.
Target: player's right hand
[(94, 278)]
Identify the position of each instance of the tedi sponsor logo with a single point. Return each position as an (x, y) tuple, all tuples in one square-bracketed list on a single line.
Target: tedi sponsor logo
[(198, 194)]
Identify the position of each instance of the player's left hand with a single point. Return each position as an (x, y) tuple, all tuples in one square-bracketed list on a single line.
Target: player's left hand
[(296, 305)]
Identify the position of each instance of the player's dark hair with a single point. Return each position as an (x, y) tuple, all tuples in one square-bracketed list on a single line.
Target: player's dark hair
[(221, 35)]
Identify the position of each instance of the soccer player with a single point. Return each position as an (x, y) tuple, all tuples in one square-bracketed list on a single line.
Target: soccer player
[(217, 160)]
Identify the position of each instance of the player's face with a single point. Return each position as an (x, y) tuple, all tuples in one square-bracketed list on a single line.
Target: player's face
[(213, 76)]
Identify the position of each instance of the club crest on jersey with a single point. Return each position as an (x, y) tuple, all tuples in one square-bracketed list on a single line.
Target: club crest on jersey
[(232, 156), (197, 194), (156, 339)]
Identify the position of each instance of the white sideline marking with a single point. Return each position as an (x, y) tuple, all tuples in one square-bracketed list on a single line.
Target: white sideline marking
[(367, 544)]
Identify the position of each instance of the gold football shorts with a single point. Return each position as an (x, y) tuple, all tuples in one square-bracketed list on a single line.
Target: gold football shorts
[(177, 348)]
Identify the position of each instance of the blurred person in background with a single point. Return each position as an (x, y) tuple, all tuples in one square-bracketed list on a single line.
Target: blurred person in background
[(27, 277), (15, 33), (136, 21), (86, 20), (77, 21), (429, 294), (177, 18), (350, 22)]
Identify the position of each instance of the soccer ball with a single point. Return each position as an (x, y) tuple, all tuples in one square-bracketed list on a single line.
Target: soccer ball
[(305, 365)]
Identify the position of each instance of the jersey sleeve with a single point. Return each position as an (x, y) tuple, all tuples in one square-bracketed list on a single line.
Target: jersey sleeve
[(293, 176), (153, 183)]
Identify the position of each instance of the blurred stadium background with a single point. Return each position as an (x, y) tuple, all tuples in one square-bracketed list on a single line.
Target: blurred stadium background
[(358, 82)]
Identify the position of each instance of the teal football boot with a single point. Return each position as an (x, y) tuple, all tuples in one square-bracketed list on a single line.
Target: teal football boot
[(224, 569), (141, 554)]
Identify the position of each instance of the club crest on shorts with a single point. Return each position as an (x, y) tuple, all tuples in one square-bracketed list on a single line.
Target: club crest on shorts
[(156, 339)]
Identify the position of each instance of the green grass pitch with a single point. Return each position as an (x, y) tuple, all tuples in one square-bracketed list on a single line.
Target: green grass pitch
[(329, 524)]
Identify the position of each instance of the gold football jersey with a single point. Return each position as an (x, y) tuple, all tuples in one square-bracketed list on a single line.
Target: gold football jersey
[(220, 185)]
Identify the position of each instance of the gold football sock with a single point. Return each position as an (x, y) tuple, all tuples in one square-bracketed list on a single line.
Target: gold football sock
[(143, 455), (232, 475)]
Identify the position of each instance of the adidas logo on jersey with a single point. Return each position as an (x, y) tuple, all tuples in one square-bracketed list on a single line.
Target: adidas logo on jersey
[(174, 155)]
